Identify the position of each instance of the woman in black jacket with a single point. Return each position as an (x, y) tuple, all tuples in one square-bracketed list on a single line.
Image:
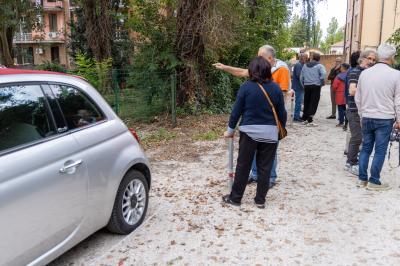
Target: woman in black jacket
[(258, 130)]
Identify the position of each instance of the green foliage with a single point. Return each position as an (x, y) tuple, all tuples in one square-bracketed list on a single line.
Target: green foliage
[(51, 66), (334, 35), (297, 31), (96, 73), (23, 14), (209, 135)]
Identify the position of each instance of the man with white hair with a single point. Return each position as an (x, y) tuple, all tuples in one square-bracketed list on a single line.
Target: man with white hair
[(378, 101), (280, 70), (281, 75)]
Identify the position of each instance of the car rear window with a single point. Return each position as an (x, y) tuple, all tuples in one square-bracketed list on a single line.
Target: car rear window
[(78, 109), (24, 116)]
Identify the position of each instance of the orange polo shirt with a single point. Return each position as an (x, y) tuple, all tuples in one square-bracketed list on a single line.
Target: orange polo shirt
[(282, 77)]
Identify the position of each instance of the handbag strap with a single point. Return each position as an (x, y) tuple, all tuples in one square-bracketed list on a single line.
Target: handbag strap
[(278, 123)]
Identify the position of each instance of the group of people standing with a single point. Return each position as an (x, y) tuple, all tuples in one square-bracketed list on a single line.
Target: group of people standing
[(366, 95)]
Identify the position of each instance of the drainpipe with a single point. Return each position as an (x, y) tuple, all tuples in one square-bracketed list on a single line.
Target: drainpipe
[(361, 23), (345, 32), (382, 13), (352, 24)]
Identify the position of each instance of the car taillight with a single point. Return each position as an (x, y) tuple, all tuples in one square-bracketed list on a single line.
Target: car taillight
[(134, 134)]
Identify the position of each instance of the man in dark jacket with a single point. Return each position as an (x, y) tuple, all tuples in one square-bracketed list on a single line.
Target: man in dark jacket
[(297, 86), (331, 77)]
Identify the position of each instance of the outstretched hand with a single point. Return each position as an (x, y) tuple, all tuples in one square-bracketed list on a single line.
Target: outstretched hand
[(219, 66), (397, 125)]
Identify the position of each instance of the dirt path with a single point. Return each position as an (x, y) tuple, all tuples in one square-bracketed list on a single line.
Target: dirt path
[(314, 216)]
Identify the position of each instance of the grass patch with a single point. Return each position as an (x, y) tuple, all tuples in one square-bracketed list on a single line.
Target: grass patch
[(160, 135), (209, 135)]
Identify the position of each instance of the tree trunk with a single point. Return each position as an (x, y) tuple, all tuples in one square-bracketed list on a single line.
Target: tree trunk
[(5, 47), (190, 49), (98, 27)]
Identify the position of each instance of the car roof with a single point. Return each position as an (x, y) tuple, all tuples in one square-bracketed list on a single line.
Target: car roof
[(12, 75), (14, 71)]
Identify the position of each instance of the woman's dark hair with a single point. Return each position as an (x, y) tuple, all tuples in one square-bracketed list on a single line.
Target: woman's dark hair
[(260, 70), (345, 66), (354, 58)]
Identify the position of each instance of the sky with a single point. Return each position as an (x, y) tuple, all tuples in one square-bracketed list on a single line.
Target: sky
[(327, 10)]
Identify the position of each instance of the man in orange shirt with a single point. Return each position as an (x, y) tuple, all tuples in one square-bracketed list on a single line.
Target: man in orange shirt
[(280, 75), (280, 70)]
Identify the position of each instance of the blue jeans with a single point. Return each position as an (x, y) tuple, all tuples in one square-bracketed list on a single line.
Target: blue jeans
[(299, 97), (342, 113), (273, 171), (375, 132)]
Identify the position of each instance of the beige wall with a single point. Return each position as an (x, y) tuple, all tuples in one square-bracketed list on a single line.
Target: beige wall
[(368, 14)]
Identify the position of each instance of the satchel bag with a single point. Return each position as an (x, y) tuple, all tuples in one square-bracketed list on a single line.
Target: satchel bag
[(282, 132)]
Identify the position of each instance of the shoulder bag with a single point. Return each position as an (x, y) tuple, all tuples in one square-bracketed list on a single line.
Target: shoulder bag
[(282, 132)]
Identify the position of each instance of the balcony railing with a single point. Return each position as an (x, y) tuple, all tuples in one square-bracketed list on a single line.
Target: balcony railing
[(58, 5), (23, 37)]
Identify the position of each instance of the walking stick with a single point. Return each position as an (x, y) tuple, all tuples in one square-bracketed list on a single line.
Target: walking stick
[(231, 172)]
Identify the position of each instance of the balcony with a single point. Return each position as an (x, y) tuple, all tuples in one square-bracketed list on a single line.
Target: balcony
[(53, 6), (22, 37)]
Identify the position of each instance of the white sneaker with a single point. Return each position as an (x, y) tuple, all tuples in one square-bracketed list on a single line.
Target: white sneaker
[(361, 183), (354, 170), (312, 124), (375, 187), (347, 167)]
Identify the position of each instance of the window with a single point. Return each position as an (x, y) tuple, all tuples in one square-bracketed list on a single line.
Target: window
[(55, 54), (78, 110), (24, 117), (53, 22)]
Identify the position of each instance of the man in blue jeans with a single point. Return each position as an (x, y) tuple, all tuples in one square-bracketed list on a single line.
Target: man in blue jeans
[(378, 101), (298, 87)]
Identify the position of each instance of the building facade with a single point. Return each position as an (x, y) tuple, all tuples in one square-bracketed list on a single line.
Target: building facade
[(370, 23), (337, 48), (50, 43)]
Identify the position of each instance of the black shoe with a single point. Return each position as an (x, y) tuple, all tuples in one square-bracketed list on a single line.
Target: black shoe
[(271, 184), (260, 206), (331, 117), (228, 200), (251, 180)]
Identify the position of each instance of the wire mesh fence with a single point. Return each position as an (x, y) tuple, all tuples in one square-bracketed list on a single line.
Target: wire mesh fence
[(137, 95)]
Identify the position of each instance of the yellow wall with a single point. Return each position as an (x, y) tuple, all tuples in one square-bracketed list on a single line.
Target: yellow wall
[(370, 11)]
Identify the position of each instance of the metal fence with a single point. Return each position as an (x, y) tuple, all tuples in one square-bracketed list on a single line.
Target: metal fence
[(138, 95)]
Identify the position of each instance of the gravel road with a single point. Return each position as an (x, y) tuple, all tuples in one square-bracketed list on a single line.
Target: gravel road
[(314, 216)]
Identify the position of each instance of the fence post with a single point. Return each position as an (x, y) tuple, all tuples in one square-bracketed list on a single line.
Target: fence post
[(173, 99), (116, 90)]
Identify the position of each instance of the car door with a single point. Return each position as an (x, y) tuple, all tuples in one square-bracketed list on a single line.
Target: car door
[(95, 135), (43, 184)]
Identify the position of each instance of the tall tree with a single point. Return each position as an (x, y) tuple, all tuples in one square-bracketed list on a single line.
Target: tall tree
[(316, 37), (297, 31), (23, 13), (334, 35), (190, 46)]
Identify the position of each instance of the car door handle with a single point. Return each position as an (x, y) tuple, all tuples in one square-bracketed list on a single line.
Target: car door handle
[(71, 165)]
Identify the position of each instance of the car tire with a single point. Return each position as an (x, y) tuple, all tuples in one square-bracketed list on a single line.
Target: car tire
[(127, 200)]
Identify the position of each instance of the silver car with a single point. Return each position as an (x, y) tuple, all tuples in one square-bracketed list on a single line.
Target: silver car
[(68, 167)]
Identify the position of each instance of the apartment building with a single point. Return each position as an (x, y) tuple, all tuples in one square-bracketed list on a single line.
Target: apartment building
[(49, 44), (370, 23)]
